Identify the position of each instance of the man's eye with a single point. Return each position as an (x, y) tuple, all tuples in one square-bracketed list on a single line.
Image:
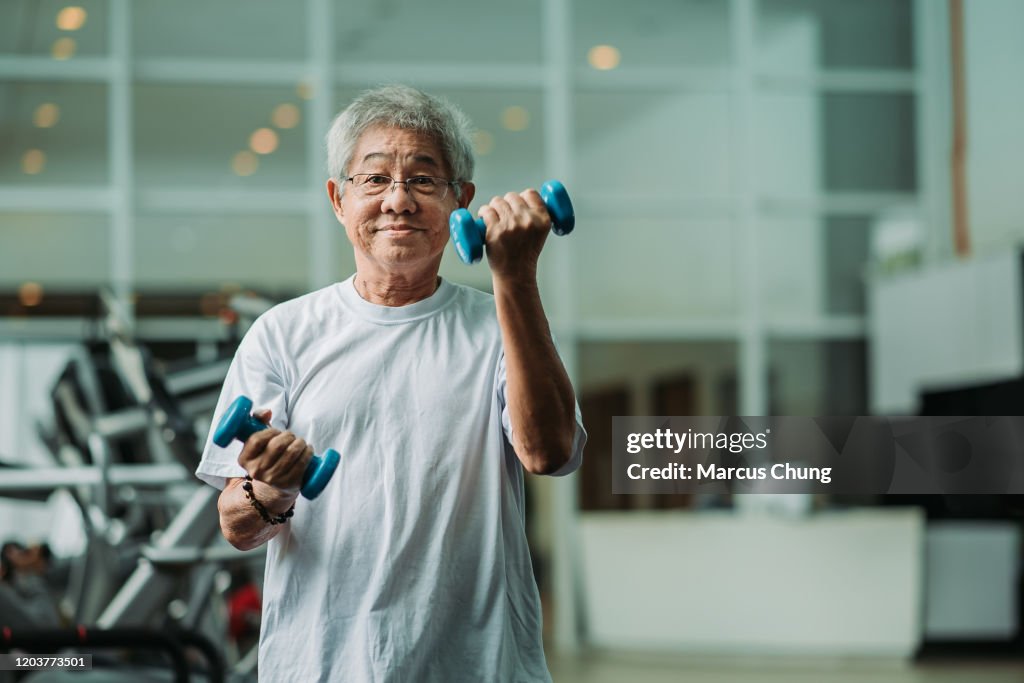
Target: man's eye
[(377, 180), (422, 181)]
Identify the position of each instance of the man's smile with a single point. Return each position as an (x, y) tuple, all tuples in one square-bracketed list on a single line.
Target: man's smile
[(398, 229)]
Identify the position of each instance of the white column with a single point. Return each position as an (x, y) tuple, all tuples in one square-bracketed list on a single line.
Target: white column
[(560, 302), (753, 399), (119, 134), (323, 227)]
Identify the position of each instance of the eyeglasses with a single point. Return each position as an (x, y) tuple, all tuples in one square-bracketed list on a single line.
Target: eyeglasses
[(425, 186)]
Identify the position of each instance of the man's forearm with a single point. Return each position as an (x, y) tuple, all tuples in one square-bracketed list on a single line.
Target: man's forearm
[(241, 525), (539, 393)]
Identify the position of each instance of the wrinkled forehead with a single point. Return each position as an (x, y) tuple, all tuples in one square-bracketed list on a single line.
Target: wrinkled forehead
[(385, 148)]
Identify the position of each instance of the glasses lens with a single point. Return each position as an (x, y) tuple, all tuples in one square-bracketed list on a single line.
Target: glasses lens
[(424, 185), (370, 185)]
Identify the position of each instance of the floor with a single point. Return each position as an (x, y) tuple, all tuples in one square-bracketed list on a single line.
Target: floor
[(631, 668)]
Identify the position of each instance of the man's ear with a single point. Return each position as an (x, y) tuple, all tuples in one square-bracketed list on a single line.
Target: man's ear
[(468, 192), (334, 193)]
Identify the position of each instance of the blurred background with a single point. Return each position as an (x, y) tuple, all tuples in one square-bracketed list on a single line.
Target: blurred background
[(785, 207)]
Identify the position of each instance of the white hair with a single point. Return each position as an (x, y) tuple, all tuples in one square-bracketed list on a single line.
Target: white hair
[(400, 106)]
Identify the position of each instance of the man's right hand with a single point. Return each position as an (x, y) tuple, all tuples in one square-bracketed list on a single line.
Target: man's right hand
[(275, 458)]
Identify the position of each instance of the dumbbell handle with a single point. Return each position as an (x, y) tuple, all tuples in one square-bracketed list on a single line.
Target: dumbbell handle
[(469, 234), (238, 423)]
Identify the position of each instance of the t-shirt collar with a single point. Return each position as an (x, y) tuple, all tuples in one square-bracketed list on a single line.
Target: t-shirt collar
[(424, 308)]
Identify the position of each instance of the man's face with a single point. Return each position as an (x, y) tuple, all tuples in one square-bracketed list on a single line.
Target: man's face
[(397, 230)]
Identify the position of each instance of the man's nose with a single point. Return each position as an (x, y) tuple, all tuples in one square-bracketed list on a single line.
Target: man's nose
[(399, 199)]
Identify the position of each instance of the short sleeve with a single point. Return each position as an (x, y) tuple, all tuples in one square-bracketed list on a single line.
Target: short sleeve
[(254, 372), (579, 438)]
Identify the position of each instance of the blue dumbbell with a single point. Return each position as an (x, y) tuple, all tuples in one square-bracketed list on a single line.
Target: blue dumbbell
[(468, 232), (238, 423)]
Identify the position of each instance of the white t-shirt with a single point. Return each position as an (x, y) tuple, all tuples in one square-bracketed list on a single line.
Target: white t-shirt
[(412, 565)]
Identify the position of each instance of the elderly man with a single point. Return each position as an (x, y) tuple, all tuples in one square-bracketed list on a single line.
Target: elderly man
[(413, 564)]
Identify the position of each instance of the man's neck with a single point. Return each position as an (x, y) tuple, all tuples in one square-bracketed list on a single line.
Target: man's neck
[(395, 290)]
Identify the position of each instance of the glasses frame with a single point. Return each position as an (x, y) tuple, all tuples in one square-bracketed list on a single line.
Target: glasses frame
[(395, 183)]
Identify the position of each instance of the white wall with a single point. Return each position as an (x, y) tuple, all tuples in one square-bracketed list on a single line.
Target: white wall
[(841, 584), (950, 325)]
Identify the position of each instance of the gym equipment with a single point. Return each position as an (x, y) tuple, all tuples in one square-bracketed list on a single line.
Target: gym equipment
[(125, 437), (112, 459), (170, 643), (20, 482), (468, 232), (238, 423)]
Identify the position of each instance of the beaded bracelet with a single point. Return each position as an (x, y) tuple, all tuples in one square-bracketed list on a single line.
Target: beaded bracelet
[(279, 519)]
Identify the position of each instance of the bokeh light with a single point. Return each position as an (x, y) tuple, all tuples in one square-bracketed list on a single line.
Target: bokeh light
[(604, 57), (71, 18), (33, 162), (263, 141), (245, 163), (286, 116), (64, 48), (30, 294), (46, 115), (515, 118)]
